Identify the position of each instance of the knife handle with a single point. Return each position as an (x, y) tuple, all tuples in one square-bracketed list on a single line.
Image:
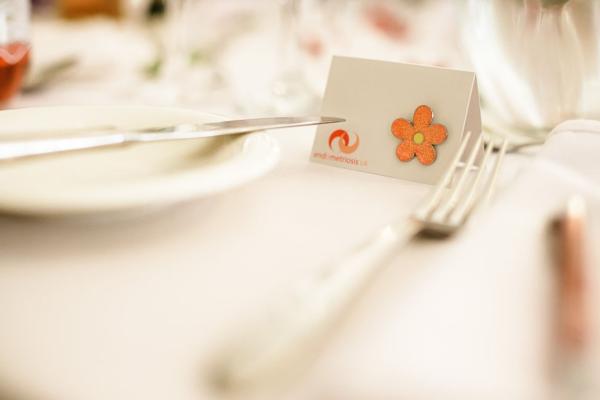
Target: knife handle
[(573, 323), (280, 346), (14, 150)]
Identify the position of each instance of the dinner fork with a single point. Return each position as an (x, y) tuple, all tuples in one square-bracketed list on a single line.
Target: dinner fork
[(279, 346)]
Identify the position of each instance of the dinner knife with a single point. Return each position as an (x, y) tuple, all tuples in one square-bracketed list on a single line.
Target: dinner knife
[(17, 149)]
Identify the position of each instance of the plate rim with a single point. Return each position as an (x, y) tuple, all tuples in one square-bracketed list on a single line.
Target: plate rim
[(248, 170)]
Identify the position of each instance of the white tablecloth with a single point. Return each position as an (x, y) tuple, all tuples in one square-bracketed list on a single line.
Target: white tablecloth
[(136, 308)]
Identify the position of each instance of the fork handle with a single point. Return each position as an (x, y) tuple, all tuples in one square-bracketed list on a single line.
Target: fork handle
[(284, 343), (35, 147)]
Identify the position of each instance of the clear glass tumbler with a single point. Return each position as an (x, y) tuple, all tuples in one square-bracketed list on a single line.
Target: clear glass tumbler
[(537, 61), (14, 46)]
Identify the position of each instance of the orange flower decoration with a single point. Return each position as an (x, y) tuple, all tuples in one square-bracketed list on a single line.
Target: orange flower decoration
[(419, 137)]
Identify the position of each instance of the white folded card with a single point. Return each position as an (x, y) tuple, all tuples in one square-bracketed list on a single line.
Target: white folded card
[(404, 121)]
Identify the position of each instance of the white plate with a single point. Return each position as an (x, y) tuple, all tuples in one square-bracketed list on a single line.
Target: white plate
[(125, 178)]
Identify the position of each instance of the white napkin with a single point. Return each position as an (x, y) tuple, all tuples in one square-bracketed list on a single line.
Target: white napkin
[(470, 318)]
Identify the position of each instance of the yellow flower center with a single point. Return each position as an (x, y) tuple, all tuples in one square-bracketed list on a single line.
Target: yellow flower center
[(418, 138)]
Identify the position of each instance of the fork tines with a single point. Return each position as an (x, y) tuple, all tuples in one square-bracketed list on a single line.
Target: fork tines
[(462, 188)]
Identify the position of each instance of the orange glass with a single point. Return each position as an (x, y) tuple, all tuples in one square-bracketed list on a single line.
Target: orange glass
[(14, 47)]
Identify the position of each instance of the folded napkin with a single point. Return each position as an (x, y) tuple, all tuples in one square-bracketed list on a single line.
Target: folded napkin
[(470, 318)]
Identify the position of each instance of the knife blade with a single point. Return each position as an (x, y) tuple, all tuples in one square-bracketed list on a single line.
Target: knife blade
[(12, 150), (232, 127)]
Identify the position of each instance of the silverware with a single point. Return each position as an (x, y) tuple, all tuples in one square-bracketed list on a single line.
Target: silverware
[(10, 150), (572, 324), (287, 340)]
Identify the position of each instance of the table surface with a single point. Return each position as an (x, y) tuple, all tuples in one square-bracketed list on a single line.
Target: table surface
[(134, 308), (137, 306)]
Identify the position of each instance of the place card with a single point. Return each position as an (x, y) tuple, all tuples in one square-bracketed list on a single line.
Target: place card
[(402, 120)]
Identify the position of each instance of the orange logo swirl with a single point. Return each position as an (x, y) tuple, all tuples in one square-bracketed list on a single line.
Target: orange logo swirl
[(344, 141)]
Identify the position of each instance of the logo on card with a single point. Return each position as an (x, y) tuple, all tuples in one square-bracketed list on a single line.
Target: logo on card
[(339, 142), (343, 141)]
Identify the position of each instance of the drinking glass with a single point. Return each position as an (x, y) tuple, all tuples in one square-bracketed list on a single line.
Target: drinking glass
[(537, 62), (14, 46), (242, 53), (195, 35), (413, 31)]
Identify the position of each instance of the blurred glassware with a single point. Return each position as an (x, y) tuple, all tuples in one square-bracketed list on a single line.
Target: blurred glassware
[(413, 31), (47, 73), (273, 80), (242, 53), (272, 57), (192, 36), (175, 47), (139, 10), (537, 61), (86, 8), (14, 46), (43, 5), (288, 91), (305, 34)]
